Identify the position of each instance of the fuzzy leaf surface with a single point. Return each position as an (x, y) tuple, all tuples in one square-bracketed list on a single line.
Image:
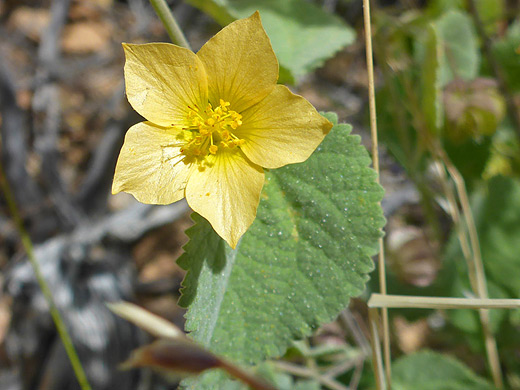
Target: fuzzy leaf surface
[(296, 268)]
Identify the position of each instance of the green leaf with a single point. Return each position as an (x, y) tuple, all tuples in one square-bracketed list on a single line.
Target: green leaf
[(496, 209), (433, 371), (491, 13), (303, 35), (431, 97), (505, 51), (505, 152), (460, 55), (305, 255), (438, 7), (470, 157), (396, 131), (497, 215)]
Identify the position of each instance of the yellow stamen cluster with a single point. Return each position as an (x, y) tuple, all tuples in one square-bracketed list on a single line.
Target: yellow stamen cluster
[(211, 130)]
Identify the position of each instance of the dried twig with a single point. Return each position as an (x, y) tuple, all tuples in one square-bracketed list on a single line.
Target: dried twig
[(14, 145), (92, 195), (348, 319), (47, 110)]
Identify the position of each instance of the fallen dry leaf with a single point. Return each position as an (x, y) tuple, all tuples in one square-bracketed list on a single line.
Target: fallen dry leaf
[(85, 37), (92, 9), (411, 336), (29, 21)]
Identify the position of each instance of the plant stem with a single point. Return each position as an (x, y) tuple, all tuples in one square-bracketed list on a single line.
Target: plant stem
[(164, 13), (56, 316), (375, 157)]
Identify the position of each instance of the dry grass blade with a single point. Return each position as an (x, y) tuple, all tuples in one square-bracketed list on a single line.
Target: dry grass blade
[(145, 320), (377, 361), (402, 301), (375, 157)]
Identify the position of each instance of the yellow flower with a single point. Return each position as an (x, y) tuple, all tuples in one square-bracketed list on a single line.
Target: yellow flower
[(214, 119)]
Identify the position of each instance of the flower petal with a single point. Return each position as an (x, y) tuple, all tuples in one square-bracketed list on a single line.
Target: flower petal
[(284, 128), (240, 63), (150, 166), (162, 80), (226, 193)]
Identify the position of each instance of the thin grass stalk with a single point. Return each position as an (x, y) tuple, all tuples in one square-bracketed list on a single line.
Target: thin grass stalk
[(478, 270), (471, 252), (377, 301), (453, 210), (482, 305), (377, 361), (55, 314), (491, 349), (170, 24), (478, 265), (356, 376), (375, 158), (347, 365)]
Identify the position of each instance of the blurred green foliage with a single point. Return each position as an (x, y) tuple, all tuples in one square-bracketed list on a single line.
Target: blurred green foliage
[(428, 370), (440, 96)]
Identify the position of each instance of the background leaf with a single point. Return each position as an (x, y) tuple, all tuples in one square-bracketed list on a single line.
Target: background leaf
[(497, 214), (505, 51), (496, 208), (491, 12), (303, 35), (431, 97), (433, 371), (306, 254), (460, 55)]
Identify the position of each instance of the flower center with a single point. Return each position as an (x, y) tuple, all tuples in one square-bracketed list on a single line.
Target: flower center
[(211, 130)]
